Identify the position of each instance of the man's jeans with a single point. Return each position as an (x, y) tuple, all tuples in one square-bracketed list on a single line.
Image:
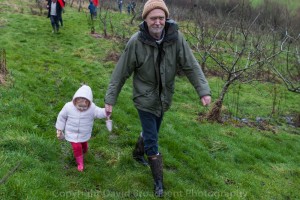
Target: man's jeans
[(150, 124)]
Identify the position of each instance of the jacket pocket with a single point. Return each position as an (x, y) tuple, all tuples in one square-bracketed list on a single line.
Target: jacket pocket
[(149, 99), (169, 94), (170, 87)]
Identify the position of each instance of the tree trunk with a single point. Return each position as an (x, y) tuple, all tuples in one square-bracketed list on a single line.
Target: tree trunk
[(134, 15), (203, 62), (80, 6), (215, 113), (3, 69), (104, 22)]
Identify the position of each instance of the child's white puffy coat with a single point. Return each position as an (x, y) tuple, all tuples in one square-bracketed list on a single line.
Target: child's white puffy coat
[(77, 125)]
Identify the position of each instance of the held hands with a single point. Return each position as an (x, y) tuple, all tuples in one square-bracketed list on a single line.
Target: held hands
[(206, 100), (59, 135), (108, 110)]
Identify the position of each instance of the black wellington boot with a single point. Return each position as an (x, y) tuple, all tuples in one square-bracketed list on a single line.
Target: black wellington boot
[(138, 152), (156, 166)]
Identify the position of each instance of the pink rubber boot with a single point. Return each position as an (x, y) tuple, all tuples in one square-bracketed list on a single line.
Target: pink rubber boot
[(85, 147), (79, 161)]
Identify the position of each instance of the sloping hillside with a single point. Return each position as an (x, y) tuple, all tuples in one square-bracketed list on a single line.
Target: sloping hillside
[(201, 160)]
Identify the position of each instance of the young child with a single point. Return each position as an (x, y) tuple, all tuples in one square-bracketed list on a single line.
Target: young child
[(76, 120)]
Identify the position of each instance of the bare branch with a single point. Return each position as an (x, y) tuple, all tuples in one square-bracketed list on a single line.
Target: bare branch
[(10, 173), (218, 62)]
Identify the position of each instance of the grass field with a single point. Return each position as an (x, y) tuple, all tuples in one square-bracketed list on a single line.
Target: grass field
[(201, 160), (293, 4)]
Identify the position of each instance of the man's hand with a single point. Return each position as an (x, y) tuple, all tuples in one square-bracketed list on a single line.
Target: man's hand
[(206, 100), (108, 110)]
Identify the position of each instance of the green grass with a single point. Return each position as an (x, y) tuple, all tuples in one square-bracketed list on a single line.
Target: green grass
[(202, 160), (292, 4)]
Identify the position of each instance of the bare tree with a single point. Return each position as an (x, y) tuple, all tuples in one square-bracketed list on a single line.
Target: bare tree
[(247, 61), (71, 3), (240, 49), (137, 11), (287, 67), (103, 15), (40, 5), (289, 72), (79, 2), (3, 68)]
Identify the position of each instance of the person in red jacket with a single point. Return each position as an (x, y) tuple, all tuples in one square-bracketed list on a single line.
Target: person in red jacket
[(62, 3)]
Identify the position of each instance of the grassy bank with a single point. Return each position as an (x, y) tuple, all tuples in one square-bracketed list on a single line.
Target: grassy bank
[(292, 4), (202, 160)]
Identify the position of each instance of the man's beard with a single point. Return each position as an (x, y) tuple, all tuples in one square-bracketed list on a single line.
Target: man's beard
[(156, 30)]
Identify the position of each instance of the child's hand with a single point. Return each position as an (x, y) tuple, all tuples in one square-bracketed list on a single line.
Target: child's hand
[(59, 134)]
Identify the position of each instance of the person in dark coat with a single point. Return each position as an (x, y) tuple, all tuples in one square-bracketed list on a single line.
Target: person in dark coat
[(133, 4), (93, 10), (54, 13), (129, 8), (153, 55)]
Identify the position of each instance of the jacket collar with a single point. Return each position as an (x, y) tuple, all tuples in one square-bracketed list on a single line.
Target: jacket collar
[(171, 33)]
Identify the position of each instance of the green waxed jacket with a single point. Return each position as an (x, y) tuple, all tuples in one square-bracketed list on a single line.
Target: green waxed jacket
[(153, 83)]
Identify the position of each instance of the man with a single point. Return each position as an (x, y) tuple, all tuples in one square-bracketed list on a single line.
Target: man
[(153, 55), (54, 13)]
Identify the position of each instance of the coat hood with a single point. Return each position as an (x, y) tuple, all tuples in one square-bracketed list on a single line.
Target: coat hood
[(84, 91)]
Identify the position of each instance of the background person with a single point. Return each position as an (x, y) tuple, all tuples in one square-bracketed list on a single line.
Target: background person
[(120, 5), (54, 13), (129, 8), (62, 3), (93, 10), (133, 5)]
